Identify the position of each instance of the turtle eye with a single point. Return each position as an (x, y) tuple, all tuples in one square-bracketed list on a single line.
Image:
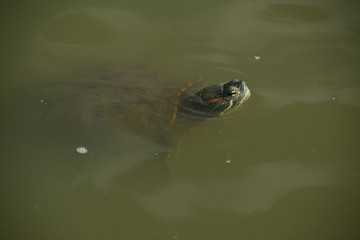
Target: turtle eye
[(232, 93)]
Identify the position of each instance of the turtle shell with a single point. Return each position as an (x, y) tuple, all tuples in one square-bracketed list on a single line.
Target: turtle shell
[(138, 99)]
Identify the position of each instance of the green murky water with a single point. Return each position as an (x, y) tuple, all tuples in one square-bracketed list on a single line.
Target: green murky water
[(285, 166)]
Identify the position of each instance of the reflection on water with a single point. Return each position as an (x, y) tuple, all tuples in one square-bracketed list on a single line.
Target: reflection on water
[(92, 26), (256, 189), (294, 12), (281, 97), (285, 166)]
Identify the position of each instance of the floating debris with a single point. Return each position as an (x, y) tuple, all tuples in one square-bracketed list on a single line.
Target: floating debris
[(255, 58), (82, 150), (228, 161)]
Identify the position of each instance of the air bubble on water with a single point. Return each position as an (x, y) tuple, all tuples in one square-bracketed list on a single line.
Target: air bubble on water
[(156, 154), (333, 98), (82, 150), (228, 161)]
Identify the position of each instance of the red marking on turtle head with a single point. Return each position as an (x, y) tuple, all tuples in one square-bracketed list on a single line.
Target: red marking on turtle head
[(213, 100)]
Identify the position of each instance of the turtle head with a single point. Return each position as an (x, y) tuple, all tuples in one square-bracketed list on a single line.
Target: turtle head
[(216, 100)]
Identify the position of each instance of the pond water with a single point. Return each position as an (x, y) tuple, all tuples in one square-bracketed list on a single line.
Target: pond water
[(284, 166)]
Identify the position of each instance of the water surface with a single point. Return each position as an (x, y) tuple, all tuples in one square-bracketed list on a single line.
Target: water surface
[(285, 166)]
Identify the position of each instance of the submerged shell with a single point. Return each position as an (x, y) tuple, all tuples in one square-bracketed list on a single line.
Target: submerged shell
[(138, 99)]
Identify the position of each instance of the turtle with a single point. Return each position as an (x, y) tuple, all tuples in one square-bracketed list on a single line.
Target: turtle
[(135, 112)]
